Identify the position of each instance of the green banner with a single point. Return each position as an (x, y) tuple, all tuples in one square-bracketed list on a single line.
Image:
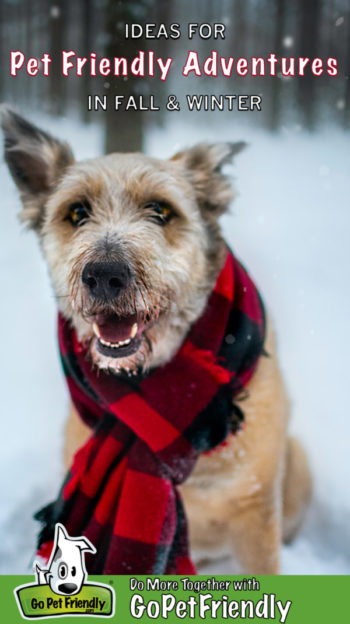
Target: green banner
[(173, 599), (39, 601)]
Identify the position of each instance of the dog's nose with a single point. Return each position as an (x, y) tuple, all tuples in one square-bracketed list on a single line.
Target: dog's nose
[(67, 588), (105, 280)]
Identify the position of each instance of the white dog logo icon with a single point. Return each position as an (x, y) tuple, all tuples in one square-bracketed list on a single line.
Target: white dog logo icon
[(66, 571)]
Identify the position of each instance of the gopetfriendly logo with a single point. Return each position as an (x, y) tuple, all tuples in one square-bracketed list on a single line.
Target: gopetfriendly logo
[(61, 588)]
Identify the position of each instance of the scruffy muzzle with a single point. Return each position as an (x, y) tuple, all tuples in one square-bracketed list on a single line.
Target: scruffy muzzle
[(121, 491)]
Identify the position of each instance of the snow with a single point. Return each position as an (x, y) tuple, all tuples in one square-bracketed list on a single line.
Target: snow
[(288, 41), (290, 226)]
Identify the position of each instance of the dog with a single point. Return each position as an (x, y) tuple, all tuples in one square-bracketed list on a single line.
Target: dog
[(143, 235), (66, 571)]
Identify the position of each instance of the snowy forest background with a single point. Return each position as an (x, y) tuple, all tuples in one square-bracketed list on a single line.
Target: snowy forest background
[(316, 28), (290, 225)]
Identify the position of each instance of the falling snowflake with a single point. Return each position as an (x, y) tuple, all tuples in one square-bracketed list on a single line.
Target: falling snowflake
[(280, 75), (288, 41), (339, 21), (106, 85), (230, 339), (55, 12), (340, 104)]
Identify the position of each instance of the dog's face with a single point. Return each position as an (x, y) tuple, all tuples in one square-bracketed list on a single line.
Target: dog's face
[(132, 243), (67, 573)]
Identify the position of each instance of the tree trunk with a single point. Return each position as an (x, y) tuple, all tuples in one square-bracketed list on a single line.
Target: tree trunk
[(87, 47), (2, 47), (163, 15), (276, 82), (58, 25), (239, 27), (310, 14), (124, 129), (347, 78)]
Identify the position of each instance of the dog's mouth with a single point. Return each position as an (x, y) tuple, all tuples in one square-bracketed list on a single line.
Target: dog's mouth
[(118, 336)]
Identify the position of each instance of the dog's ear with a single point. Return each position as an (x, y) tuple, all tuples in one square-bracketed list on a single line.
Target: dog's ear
[(85, 544), (36, 161), (203, 167)]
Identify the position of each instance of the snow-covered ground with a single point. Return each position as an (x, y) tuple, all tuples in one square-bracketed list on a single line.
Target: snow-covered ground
[(290, 225)]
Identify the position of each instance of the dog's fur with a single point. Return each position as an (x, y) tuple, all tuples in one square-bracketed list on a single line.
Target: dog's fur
[(245, 496)]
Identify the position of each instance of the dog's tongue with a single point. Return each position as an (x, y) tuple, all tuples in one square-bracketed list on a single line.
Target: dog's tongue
[(117, 328)]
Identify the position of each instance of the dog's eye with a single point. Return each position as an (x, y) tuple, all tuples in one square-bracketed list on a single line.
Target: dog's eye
[(78, 213), (159, 211), (62, 570)]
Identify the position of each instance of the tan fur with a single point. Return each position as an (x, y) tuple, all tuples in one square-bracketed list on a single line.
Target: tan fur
[(247, 494)]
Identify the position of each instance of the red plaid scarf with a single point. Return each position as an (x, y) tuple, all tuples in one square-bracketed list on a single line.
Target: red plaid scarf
[(121, 491)]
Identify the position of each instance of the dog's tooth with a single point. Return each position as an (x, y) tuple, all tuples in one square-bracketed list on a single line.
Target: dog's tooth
[(114, 345), (134, 330), (96, 330)]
